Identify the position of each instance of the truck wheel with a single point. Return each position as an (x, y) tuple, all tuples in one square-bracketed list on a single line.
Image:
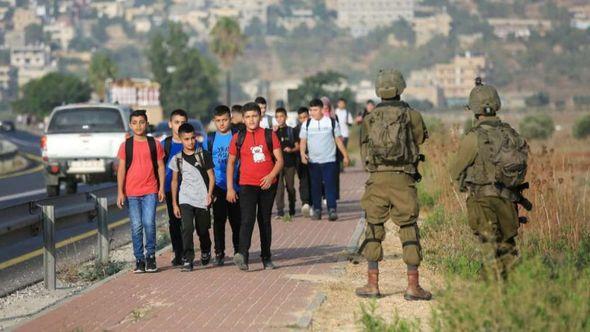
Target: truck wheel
[(71, 187), (53, 191)]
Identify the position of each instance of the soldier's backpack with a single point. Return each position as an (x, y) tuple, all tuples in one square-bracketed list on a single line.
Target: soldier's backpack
[(504, 154), (390, 139)]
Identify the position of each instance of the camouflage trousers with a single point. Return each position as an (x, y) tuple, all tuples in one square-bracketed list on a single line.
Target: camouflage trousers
[(391, 195), (494, 221)]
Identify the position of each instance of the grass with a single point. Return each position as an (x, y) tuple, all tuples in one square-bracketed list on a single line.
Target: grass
[(91, 272), (371, 321)]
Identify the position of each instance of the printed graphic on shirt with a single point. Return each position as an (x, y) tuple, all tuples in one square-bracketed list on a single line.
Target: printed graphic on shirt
[(257, 154)]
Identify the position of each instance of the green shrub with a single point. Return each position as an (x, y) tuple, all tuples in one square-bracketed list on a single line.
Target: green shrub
[(99, 271), (434, 124), (582, 127), (539, 126), (370, 321)]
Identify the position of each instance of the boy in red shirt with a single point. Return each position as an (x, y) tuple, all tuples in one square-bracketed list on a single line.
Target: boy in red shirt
[(140, 182), (261, 160)]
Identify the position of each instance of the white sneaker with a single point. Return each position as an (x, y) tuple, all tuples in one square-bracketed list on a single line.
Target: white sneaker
[(325, 202), (305, 209)]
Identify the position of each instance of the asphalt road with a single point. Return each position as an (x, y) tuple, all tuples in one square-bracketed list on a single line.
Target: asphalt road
[(21, 262)]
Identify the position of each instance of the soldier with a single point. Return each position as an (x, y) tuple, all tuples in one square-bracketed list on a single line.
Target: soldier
[(491, 165), (390, 136)]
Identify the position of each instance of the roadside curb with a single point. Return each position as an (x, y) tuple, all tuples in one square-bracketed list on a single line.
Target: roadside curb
[(306, 319)]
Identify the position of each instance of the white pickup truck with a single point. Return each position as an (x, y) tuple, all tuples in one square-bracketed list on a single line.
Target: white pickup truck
[(80, 144)]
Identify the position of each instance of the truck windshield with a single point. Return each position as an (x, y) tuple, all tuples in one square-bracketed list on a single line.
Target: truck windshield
[(86, 119)]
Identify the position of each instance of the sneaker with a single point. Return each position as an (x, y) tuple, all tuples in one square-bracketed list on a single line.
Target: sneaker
[(205, 258), (139, 267), (177, 261), (150, 265), (219, 260), (316, 215), (332, 216), (325, 202), (240, 262), (268, 264), (287, 218), (305, 210), (187, 267)]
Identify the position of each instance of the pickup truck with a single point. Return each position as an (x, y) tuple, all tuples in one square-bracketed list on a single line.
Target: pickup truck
[(80, 144)]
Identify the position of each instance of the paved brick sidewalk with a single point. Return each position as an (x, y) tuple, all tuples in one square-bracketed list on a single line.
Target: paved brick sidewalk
[(219, 298)]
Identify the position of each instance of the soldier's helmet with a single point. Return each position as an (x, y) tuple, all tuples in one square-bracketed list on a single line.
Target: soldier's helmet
[(484, 99), (390, 83)]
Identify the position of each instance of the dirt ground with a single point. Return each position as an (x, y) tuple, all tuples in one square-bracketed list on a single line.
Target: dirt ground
[(342, 309)]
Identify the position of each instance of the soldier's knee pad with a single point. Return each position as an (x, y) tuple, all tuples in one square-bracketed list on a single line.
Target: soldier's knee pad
[(371, 247), (409, 236)]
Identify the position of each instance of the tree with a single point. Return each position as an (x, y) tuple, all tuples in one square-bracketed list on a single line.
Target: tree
[(40, 96), (101, 68), (326, 83), (187, 79), (227, 42), (537, 100)]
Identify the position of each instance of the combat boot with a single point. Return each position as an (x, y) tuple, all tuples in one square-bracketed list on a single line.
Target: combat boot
[(414, 292), (371, 289)]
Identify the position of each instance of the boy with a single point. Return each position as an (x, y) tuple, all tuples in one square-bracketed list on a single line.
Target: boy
[(320, 135), (172, 145), (303, 169), (191, 202), (237, 121), (217, 144), (140, 184), (344, 119), (290, 148), (266, 121), (261, 160)]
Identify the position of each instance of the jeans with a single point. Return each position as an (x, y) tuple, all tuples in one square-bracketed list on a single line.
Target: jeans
[(174, 226), (142, 213), (222, 211), (323, 174), (256, 204), (286, 181)]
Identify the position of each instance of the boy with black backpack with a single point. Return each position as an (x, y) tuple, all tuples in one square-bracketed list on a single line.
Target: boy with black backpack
[(259, 152), (290, 147), (172, 145), (194, 195), (491, 165), (140, 184), (217, 144)]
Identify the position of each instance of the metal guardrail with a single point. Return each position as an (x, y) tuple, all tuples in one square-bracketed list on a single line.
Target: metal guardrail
[(29, 214)]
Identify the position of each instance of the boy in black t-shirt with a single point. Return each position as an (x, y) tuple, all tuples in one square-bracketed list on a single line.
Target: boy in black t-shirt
[(290, 146)]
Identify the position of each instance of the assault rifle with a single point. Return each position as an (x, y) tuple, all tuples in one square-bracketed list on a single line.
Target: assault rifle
[(417, 176), (518, 198)]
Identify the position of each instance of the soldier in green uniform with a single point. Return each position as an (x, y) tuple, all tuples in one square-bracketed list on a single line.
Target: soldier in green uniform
[(490, 165), (390, 136)]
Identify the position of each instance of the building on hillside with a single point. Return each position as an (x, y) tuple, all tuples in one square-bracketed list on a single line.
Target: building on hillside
[(61, 32), (8, 82), (298, 17), (23, 17), (428, 27), (138, 93), (109, 9), (247, 9), (422, 85), (32, 62), (580, 16), (456, 79), (361, 17), (518, 28), (142, 24), (14, 38)]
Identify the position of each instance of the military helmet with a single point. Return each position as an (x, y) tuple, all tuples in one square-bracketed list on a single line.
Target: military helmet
[(484, 99), (390, 83)]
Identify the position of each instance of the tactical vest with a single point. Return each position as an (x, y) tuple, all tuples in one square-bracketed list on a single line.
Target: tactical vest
[(390, 141), (501, 160)]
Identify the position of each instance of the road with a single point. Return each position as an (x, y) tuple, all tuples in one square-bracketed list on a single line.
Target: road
[(21, 260)]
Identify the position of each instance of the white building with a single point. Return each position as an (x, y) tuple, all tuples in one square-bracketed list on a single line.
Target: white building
[(360, 17), (519, 28), (61, 31), (32, 62)]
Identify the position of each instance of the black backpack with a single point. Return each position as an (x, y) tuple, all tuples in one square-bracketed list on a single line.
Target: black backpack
[(167, 147), (211, 139), (153, 153), (242, 137), (200, 154)]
